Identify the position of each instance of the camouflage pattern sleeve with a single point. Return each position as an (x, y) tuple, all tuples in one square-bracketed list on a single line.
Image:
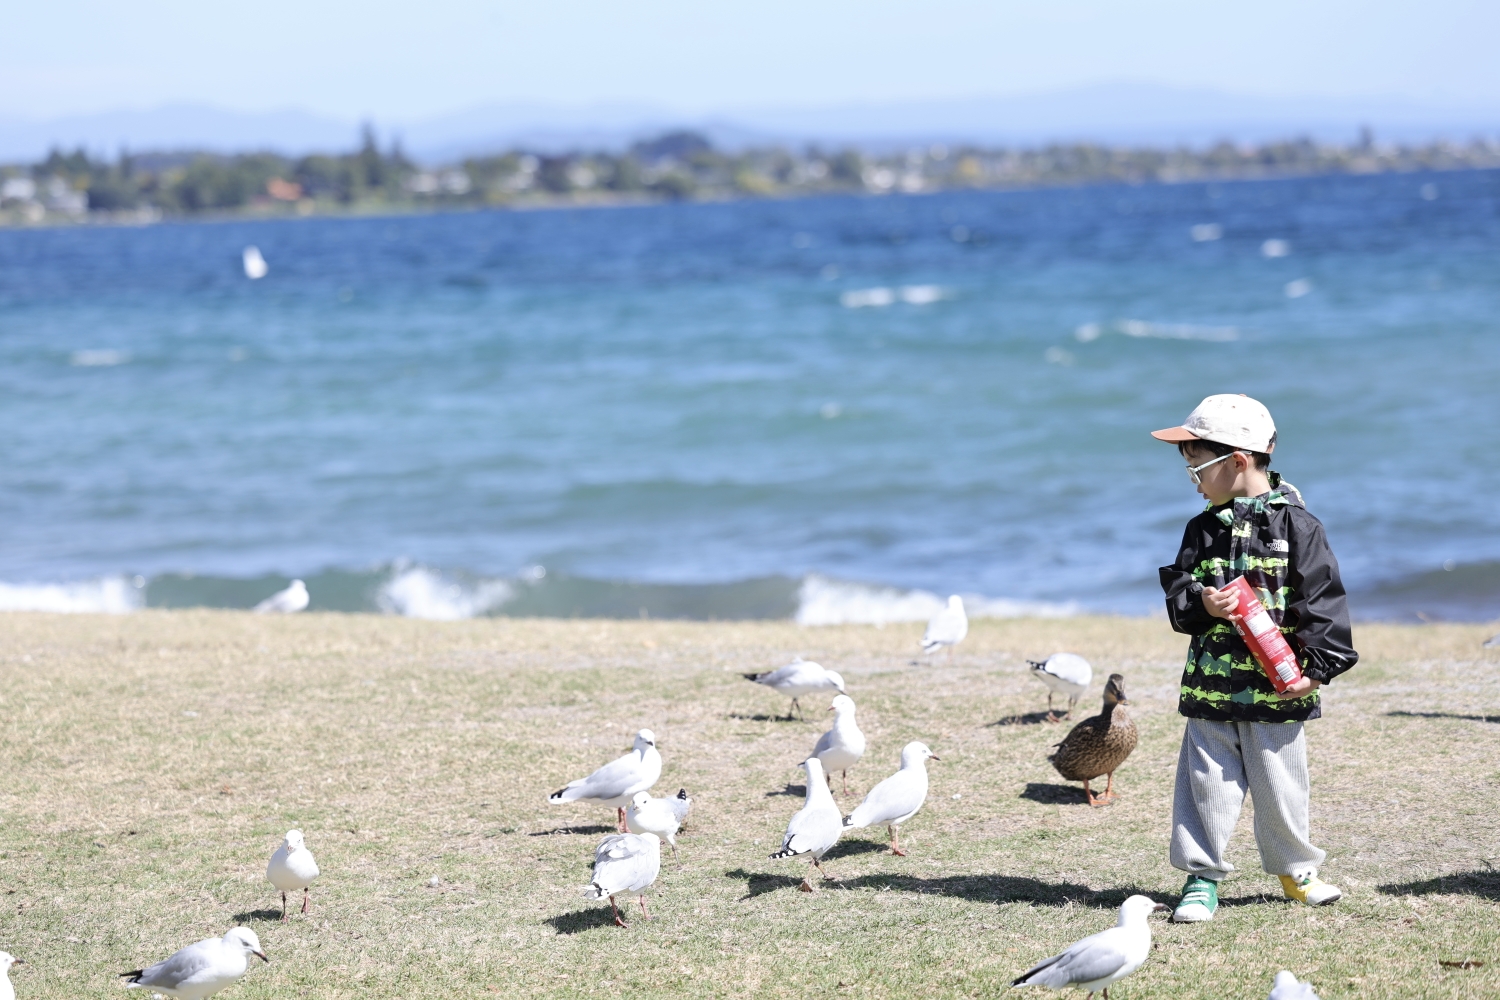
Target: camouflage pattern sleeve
[(1184, 592), (1318, 609)]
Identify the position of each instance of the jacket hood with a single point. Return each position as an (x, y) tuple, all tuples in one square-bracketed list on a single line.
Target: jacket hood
[(1281, 494)]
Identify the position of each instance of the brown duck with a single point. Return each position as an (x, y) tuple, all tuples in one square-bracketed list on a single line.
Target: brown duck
[(1099, 744)]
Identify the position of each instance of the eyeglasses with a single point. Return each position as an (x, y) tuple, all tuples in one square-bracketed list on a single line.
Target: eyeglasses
[(1195, 470)]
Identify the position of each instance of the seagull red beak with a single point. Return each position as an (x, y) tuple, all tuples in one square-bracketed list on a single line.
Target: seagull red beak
[(262, 956), (933, 756), (1161, 907)]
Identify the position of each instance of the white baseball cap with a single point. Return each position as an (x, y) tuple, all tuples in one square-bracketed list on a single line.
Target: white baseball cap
[(1235, 420)]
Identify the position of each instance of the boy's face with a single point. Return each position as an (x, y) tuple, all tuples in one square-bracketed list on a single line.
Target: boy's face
[(1220, 482)]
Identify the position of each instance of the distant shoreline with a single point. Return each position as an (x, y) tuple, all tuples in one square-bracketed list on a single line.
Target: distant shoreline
[(139, 219), (142, 189)]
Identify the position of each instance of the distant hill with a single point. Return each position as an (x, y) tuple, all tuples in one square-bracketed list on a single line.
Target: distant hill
[(1116, 113)]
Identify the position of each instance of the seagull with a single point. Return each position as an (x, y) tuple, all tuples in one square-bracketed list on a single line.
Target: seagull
[(285, 602), (625, 864), (896, 799), (815, 828), (681, 803), (1065, 674), (798, 678), (1492, 642), (616, 783), (841, 747), (648, 815), (7, 991), (947, 628), (255, 264), (1287, 987), (1100, 960), (200, 970), (292, 867)]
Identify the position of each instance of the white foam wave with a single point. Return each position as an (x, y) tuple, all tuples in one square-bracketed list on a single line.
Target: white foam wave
[(98, 359), (419, 592), (1176, 331), (876, 298), (110, 595), (824, 601)]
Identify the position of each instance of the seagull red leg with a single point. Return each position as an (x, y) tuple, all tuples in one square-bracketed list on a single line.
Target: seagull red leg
[(616, 909), (304, 900), (896, 843), (283, 907)]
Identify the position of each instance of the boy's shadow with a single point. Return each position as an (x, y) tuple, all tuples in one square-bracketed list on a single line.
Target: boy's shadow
[(1477, 882)]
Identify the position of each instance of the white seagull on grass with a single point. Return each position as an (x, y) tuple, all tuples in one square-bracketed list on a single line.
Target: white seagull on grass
[(841, 747), (814, 828), (200, 970), (285, 602), (681, 803), (798, 678), (898, 798), (1100, 960), (648, 815), (1287, 987), (291, 868), (7, 991), (625, 864), (616, 783), (1067, 674), (947, 628)]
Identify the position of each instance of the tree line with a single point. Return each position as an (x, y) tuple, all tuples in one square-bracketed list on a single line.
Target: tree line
[(674, 166)]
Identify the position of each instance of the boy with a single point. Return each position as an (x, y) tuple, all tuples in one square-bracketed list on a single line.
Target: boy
[(1240, 733)]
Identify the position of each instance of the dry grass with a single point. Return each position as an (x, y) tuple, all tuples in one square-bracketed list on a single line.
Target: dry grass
[(154, 761)]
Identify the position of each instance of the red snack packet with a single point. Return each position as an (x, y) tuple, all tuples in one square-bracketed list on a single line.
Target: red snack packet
[(1263, 636)]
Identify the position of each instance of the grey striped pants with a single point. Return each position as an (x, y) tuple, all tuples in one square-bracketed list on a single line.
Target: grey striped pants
[(1218, 763)]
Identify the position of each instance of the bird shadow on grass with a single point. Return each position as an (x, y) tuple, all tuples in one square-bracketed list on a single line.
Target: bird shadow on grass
[(563, 831), (1000, 889), (790, 789), (742, 717), (1443, 715), (581, 920), (1478, 882), (1027, 719), (849, 848), (1054, 794), (760, 883), (252, 915)]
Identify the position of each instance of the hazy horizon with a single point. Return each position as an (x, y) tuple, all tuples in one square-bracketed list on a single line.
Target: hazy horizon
[(345, 60)]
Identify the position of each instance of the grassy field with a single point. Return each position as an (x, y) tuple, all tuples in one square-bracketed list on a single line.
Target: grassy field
[(153, 761)]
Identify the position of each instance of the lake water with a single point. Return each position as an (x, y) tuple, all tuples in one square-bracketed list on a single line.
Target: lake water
[(831, 408)]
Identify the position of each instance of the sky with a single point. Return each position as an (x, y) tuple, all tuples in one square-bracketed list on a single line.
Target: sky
[(403, 60)]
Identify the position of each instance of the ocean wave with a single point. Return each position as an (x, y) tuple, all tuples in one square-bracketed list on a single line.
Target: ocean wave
[(1146, 329), (419, 592), (825, 601), (111, 595), (875, 298)]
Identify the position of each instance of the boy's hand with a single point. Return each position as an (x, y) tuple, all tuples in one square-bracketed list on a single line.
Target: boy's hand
[(1300, 688), (1220, 603)]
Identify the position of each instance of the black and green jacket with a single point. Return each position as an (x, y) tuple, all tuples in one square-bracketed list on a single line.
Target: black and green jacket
[(1282, 552)]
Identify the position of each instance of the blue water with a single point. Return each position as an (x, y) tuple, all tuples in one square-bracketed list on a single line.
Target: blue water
[(574, 407)]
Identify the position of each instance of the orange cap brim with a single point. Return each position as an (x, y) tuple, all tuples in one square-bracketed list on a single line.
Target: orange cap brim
[(1175, 435)]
